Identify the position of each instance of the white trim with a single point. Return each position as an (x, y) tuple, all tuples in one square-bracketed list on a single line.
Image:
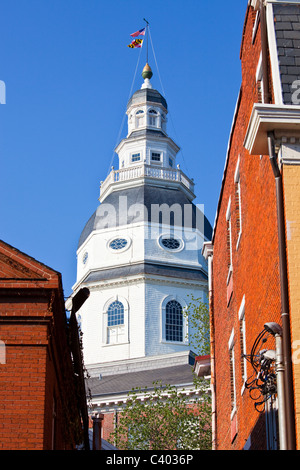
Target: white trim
[(163, 305), (258, 74), (277, 88), (254, 3), (237, 170), (105, 316), (136, 152), (228, 220), (116, 237), (241, 313), (242, 319), (237, 180), (168, 235), (232, 358), (289, 152), (228, 211), (269, 117), (282, 1), (231, 339)]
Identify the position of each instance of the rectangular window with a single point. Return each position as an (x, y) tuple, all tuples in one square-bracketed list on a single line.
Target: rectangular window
[(152, 121), (232, 374), (135, 157), (155, 156), (229, 236), (255, 26), (174, 321), (229, 253), (242, 323), (238, 202), (259, 81), (171, 162)]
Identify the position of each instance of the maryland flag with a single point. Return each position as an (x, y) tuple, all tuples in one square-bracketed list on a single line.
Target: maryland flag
[(136, 43)]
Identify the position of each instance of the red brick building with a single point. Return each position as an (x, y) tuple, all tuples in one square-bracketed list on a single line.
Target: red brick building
[(41, 406), (249, 274)]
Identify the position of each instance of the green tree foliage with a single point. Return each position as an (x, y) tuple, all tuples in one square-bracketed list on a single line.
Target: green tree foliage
[(197, 314), (165, 418)]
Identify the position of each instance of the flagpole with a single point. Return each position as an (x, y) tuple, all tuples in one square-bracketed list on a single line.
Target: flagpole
[(147, 25)]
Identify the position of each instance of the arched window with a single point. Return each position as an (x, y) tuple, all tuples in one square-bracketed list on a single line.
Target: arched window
[(115, 321), (174, 321), (115, 314), (139, 115), (153, 117)]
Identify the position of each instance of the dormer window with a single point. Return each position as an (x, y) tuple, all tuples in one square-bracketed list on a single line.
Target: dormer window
[(153, 118)]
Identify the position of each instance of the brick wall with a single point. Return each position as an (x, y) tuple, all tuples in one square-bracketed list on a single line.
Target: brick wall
[(108, 424), (255, 273), (36, 371)]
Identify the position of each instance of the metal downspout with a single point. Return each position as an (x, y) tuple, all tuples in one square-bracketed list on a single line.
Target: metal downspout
[(281, 393), (212, 354), (286, 337)]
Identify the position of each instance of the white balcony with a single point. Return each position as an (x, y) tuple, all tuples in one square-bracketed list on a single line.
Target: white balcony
[(138, 174)]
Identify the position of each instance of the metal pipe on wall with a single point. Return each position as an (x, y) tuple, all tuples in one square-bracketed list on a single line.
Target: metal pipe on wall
[(285, 316)]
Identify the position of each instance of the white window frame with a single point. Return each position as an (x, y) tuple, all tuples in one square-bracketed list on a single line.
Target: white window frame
[(105, 327), (163, 320), (153, 117), (133, 154), (139, 118), (158, 152), (229, 229), (237, 181), (242, 322), (232, 361), (259, 76)]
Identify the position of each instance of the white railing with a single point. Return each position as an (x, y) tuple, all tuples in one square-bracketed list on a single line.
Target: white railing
[(146, 171)]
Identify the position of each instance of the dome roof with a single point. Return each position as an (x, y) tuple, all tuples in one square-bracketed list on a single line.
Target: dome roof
[(147, 95), (110, 214)]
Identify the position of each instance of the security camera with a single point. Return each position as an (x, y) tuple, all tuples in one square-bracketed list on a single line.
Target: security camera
[(273, 328)]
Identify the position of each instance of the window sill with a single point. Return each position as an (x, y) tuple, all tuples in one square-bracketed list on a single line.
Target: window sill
[(233, 413), (238, 240), (114, 344), (179, 343), (229, 275)]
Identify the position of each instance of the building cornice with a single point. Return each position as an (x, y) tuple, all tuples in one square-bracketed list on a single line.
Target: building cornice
[(110, 403), (289, 150), (157, 136), (282, 120), (256, 3), (149, 278), (208, 249)]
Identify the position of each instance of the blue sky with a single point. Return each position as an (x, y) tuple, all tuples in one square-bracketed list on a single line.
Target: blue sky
[(68, 73)]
